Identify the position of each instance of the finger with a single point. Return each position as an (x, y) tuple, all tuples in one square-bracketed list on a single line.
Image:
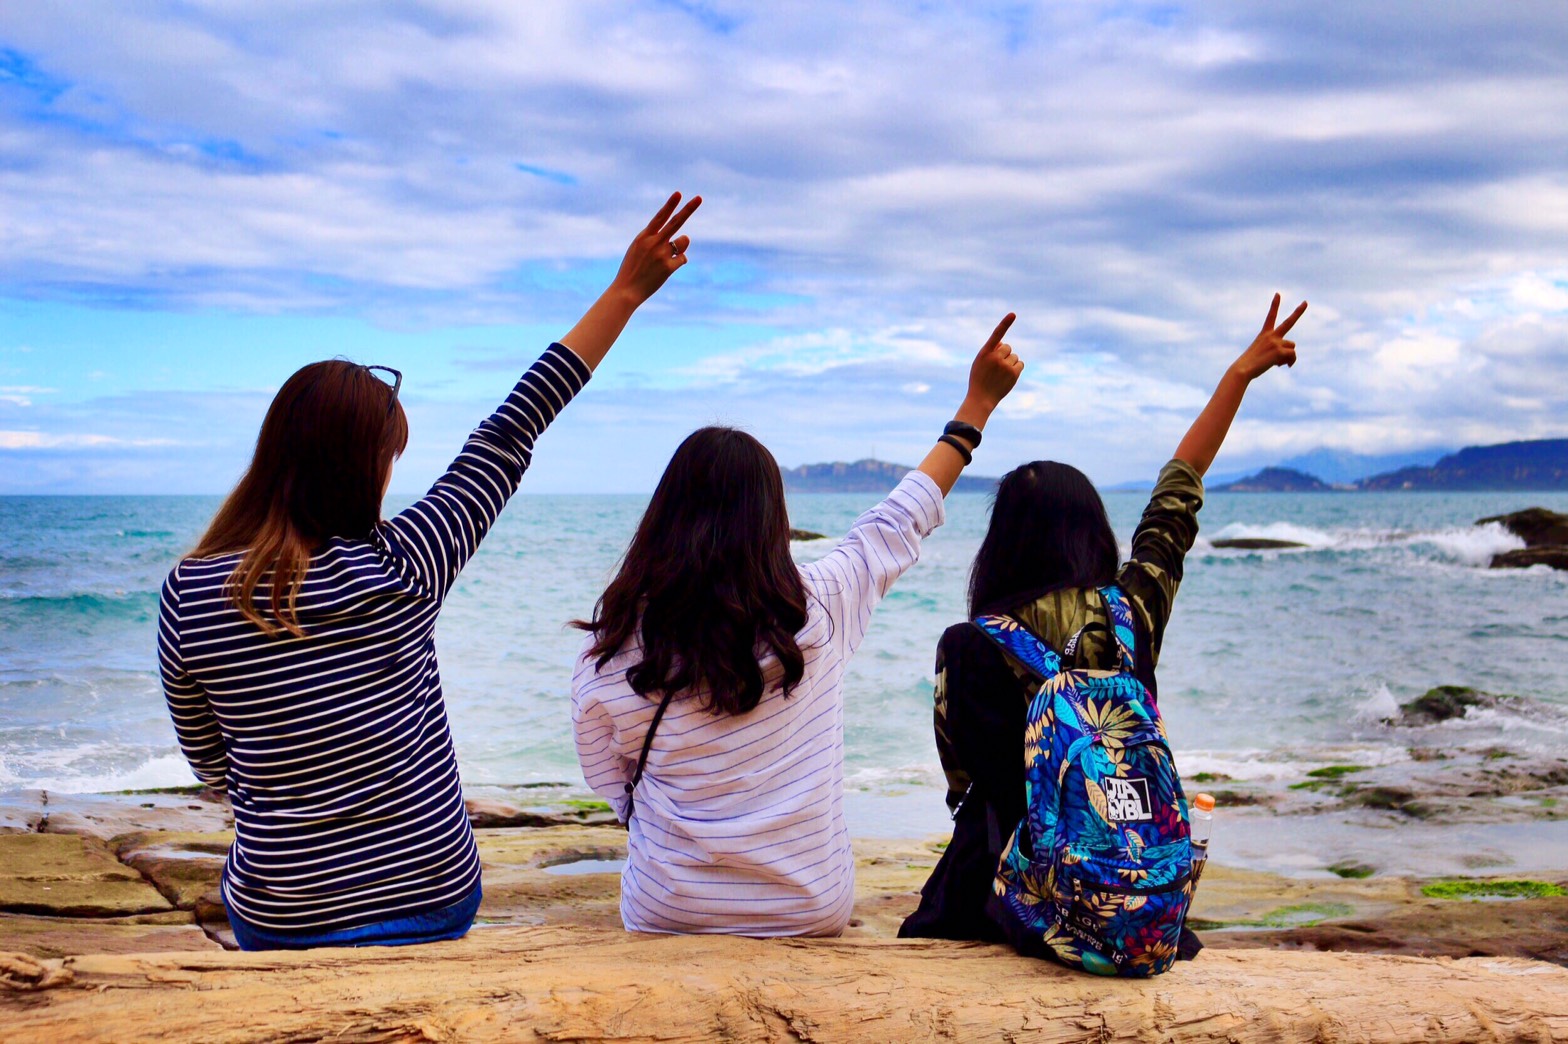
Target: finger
[(1289, 358), (664, 213), (679, 244), (1268, 324), (1000, 331), (1289, 346), (1004, 351), (1284, 328), (680, 219)]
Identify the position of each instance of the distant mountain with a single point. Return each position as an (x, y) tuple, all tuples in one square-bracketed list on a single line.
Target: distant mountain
[(1341, 467), (865, 476), (1540, 464), (1275, 480)]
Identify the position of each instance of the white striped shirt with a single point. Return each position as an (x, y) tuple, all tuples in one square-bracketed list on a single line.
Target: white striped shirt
[(334, 748), (739, 823)]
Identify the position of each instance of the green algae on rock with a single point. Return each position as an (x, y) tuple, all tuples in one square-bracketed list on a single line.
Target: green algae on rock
[(1462, 888)]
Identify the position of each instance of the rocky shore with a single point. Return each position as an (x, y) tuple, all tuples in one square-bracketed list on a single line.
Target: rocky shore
[(89, 885)]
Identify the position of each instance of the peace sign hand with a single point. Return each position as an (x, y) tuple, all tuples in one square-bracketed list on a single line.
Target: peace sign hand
[(1270, 348), (657, 251)]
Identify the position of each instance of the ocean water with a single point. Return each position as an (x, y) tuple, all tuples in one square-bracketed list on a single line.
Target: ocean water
[(1274, 661)]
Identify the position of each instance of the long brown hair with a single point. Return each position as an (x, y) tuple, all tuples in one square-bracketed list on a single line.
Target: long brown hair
[(322, 459), (708, 584)]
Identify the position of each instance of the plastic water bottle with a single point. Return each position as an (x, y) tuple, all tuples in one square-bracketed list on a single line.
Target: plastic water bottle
[(1201, 816)]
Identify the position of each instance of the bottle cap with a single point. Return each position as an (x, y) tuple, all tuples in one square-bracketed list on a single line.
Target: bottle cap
[(1203, 802)]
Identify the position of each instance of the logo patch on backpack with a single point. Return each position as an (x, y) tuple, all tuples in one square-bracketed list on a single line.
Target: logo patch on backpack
[(1127, 800)]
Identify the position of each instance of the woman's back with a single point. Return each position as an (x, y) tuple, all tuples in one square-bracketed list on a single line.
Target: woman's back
[(739, 823), (334, 748)]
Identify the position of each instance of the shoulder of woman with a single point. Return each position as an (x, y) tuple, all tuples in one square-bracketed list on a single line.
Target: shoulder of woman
[(964, 641)]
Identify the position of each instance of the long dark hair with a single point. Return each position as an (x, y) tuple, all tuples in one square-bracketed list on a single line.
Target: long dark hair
[(1048, 531), (321, 464), (708, 584)]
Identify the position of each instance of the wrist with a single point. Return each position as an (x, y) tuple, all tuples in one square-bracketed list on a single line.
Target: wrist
[(1237, 374), (974, 411), (622, 297)]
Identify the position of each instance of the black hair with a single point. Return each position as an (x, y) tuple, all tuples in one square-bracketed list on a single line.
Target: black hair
[(1048, 531), (708, 585)]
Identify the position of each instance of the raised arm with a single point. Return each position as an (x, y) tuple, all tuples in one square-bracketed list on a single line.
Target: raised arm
[(991, 376), (1269, 349), (435, 537), (885, 541)]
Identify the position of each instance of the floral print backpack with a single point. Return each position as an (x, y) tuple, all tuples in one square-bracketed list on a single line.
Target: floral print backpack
[(1099, 872)]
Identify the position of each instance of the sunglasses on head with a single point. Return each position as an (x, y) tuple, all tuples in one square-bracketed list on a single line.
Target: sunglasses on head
[(395, 380)]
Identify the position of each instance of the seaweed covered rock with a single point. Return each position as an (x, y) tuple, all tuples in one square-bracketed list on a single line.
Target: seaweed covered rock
[(1442, 703)]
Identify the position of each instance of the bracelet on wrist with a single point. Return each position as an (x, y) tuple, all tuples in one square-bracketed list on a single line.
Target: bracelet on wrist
[(963, 451), (963, 430)]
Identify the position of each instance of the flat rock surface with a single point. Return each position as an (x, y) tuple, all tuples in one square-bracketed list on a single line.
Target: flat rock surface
[(70, 876), (586, 984), (109, 815), (183, 866), (65, 936)]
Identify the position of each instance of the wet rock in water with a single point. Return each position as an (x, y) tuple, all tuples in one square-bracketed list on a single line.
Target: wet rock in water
[(805, 534), (1393, 798), (1545, 536), (1555, 556), (1536, 526), (64, 876), (1442, 703), (1255, 543)]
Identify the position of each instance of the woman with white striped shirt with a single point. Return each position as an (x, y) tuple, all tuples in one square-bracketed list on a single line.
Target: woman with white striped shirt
[(710, 686), (297, 642)]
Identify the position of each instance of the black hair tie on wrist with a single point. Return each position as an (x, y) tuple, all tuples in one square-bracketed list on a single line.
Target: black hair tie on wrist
[(963, 430), (963, 451)]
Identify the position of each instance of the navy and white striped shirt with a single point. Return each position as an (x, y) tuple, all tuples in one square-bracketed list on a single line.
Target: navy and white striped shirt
[(334, 748), (740, 824)]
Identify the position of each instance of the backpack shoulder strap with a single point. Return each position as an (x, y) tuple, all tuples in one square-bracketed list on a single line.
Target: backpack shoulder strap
[(1022, 644), (1119, 611)]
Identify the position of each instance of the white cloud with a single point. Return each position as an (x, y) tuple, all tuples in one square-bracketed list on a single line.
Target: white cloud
[(1134, 181), (38, 440)]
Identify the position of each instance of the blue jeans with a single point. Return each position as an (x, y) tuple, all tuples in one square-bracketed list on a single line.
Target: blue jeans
[(451, 922)]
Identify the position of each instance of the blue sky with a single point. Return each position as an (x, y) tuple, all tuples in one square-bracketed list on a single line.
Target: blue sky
[(197, 198)]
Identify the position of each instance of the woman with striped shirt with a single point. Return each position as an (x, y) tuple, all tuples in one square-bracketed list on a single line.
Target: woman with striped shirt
[(710, 686), (297, 650)]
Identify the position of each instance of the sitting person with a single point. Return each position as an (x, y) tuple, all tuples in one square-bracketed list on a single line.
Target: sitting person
[(297, 642), (1046, 555), (709, 689)]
